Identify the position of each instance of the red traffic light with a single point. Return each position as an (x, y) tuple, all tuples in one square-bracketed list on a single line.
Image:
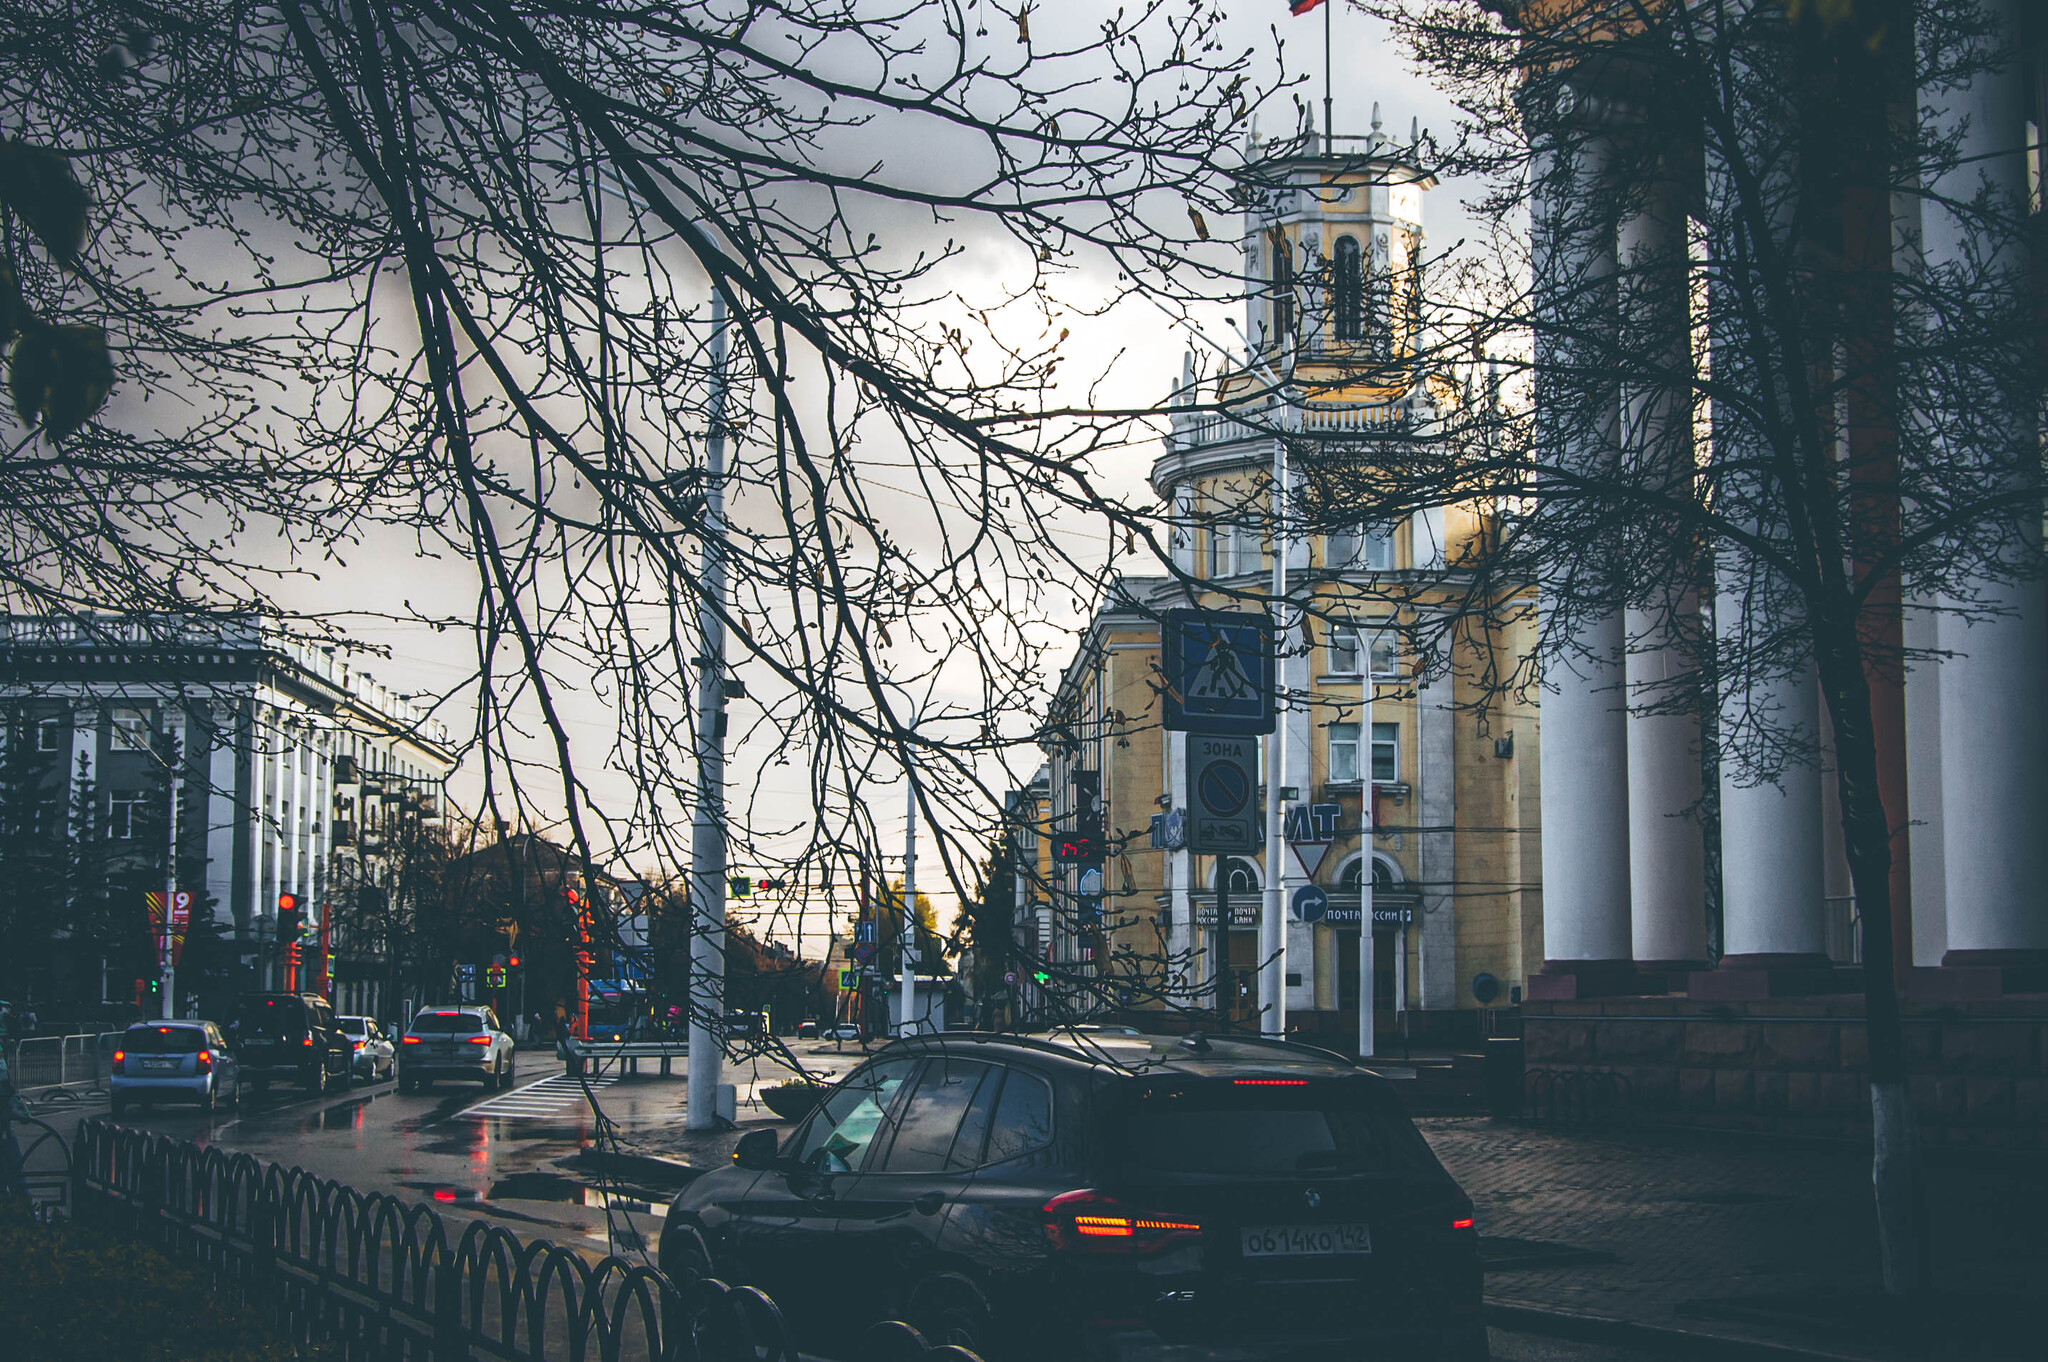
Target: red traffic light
[(572, 896), (512, 961), (287, 902)]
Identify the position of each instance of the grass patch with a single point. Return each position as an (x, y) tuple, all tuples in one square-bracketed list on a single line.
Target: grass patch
[(69, 1293)]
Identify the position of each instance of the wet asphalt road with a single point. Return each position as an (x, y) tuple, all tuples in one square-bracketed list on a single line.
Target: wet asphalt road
[(513, 1156)]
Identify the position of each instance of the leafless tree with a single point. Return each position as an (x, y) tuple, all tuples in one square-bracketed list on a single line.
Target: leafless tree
[(1754, 428)]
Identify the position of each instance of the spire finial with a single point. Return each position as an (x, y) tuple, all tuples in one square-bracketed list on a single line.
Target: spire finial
[(1375, 120)]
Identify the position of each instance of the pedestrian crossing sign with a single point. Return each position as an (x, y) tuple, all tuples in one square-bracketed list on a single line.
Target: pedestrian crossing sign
[(846, 980), (1219, 671)]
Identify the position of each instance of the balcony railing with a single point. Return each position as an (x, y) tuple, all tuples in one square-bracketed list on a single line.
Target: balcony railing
[(1317, 419)]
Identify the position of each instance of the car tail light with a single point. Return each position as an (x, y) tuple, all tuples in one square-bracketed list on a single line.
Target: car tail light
[(120, 1058), (306, 1041), (1269, 1082), (411, 1040), (1089, 1222), (355, 1045), (1464, 1224), (479, 1040), (204, 1061)]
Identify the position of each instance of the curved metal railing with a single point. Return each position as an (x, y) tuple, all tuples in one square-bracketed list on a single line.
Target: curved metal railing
[(388, 1280)]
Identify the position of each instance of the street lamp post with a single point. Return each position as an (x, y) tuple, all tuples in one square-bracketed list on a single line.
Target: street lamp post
[(707, 826)]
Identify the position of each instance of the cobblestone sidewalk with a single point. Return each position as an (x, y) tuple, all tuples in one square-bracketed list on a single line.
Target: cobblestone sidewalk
[(1729, 1235)]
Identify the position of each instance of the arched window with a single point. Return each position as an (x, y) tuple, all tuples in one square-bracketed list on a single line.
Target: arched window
[(1350, 287), (1283, 287), (1353, 875), (1243, 878)]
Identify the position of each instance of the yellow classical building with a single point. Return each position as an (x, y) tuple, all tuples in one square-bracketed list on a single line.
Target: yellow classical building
[(1333, 270)]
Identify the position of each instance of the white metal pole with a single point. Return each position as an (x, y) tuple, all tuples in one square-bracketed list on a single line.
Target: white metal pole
[(1272, 927), (1365, 837), (907, 1024), (707, 826)]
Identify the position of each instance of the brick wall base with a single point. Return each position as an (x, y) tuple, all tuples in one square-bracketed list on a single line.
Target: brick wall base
[(1978, 1068)]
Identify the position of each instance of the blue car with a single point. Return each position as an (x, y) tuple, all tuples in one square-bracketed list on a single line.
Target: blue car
[(174, 1061)]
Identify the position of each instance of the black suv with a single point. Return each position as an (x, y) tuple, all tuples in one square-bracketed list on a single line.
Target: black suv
[(1102, 1196), (292, 1036)]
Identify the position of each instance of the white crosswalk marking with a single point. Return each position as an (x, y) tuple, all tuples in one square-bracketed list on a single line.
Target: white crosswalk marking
[(555, 1096)]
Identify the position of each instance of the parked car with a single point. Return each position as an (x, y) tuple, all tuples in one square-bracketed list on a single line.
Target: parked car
[(174, 1061), (1105, 1197), (843, 1031), (808, 1029), (292, 1036), (455, 1042), (746, 1025), (375, 1055)]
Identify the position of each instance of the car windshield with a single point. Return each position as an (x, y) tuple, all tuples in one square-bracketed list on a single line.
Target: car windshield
[(270, 1019), (447, 1024), (163, 1040), (352, 1026), (1250, 1127)]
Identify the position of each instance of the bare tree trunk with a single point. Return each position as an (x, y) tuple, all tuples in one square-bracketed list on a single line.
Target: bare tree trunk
[(1895, 1161)]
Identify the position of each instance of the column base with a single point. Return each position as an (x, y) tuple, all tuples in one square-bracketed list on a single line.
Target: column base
[(1960, 983), (1754, 978), (1665, 976), (1564, 980)]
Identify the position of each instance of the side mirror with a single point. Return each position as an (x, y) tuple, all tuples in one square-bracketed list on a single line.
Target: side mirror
[(756, 1150)]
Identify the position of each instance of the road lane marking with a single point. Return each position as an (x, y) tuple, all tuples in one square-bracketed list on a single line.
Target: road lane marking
[(551, 1096)]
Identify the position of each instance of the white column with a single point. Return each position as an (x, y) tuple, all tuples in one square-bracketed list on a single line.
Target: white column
[(1994, 728), (1436, 848), (1772, 892), (1923, 786), (1773, 895), (1584, 734), (1667, 878)]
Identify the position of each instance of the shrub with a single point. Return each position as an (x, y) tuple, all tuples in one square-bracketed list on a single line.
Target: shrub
[(72, 1292)]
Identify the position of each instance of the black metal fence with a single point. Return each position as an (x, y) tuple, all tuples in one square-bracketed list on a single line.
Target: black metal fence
[(388, 1281)]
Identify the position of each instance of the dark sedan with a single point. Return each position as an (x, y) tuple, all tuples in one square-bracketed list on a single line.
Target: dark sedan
[(1108, 1197)]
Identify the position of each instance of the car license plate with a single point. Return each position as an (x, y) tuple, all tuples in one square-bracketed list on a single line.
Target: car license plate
[(160, 1066), (1291, 1241)]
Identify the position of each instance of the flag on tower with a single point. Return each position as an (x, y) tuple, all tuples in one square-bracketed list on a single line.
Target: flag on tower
[(1301, 6)]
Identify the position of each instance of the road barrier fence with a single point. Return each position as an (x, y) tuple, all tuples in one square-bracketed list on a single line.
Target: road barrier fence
[(43, 1062), (391, 1281)]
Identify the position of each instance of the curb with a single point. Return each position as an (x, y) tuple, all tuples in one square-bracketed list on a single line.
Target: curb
[(661, 1171), (1670, 1340)]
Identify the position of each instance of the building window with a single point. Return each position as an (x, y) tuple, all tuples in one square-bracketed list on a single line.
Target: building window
[(1361, 548), (1386, 752), (1231, 550), (131, 730), (124, 815), (1350, 645), (1350, 288), (1344, 754), (1243, 879), (50, 735), (1283, 287)]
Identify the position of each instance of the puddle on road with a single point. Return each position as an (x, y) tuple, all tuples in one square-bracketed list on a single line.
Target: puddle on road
[(555, 1187)]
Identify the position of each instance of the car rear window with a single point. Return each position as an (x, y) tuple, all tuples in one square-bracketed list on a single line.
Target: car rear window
[(351, 1026), (163, 1040), (270, 1019), (447, 1024), (1255, 1126)]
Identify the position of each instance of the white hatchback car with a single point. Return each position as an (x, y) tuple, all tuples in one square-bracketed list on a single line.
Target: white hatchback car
[(374, 1054), (173, 1061), (455, 1042)]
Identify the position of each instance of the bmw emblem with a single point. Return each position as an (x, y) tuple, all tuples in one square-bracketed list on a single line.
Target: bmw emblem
[(1313, 1197)]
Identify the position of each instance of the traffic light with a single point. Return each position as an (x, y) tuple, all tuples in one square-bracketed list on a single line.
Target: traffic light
[(290, 921), (513, 962), (1081, 844), (153, 986), (570, 893), (1040, 977), (766, 885)]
